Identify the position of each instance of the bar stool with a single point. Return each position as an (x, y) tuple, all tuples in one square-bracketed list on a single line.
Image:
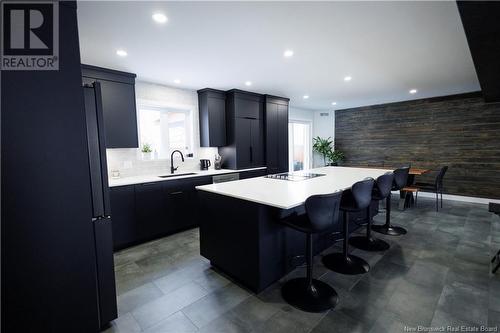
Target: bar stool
[(381, 190), (357, 199), (309, 294), (400, 179)]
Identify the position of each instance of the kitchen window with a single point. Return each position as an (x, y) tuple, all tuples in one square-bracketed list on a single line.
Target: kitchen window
[(165, 129)]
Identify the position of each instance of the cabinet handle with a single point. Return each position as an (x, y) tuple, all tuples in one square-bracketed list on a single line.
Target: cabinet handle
[(175, 193), (251, 154)]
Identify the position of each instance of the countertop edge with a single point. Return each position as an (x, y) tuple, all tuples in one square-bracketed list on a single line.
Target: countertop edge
[(155, 178)]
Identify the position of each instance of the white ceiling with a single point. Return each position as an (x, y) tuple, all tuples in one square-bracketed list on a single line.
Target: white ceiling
[(387, 47)]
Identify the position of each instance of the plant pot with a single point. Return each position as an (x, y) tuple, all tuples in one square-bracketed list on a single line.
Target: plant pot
[(147, 156)]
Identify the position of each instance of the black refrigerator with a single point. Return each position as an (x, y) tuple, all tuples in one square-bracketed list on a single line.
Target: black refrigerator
[(101, 210), (56, 257)]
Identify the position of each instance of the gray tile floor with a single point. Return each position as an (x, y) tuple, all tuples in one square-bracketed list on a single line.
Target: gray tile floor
[(436, 275)]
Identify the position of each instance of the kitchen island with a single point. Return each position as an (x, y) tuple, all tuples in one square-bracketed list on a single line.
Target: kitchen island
[(240, 229)]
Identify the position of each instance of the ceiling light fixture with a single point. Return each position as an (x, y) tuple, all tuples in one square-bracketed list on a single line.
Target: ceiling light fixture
[(305, 96), (121, 53), (177, 81), (288, 53), (160, 18), (334, 103), (248, 83), (413, 91), (347, 78)]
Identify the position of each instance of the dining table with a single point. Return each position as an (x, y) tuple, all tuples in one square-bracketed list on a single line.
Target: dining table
[(406, 197)]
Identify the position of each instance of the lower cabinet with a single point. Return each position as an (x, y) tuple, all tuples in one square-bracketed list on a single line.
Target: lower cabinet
[(150, 210), (123, 216), (147, 211)]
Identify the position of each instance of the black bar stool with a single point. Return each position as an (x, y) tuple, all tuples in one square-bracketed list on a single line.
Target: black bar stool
[(381, 190), (309, 294), (400, 179), (357, 199)]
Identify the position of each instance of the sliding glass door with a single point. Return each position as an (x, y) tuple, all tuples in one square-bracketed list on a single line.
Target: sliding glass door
[(299, 142)]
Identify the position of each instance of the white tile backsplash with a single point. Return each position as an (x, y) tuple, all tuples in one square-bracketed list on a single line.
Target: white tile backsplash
[(131, 162)]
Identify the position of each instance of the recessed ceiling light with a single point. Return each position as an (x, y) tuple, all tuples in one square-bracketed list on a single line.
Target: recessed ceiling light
[(248, 83), (413, 91), (121, 53), (177, 81), (305, 96), (334, 103), (348, 78), (160, 18), (288, 53)]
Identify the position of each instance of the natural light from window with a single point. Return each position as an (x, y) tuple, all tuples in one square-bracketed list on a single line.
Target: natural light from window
[(165, 130), (299, 140)]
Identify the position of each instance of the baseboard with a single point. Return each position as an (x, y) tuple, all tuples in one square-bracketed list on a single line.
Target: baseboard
[(458, 198)]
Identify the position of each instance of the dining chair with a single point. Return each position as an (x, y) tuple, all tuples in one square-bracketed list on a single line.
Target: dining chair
[(436, 187)]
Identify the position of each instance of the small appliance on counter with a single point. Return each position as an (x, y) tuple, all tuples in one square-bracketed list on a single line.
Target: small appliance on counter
[(205, 164), (217, 162)]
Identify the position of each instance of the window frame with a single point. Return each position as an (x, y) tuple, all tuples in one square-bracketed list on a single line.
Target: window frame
[(189, 127), (291, 143)]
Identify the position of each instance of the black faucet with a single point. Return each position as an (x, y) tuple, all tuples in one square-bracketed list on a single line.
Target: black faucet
[(172, 169)]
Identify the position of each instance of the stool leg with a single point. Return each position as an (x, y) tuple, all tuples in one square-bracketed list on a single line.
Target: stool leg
[(368, 243), (344, 262), (387, 228), (346, 235), (308, 294), (309, 260), (388, 211)]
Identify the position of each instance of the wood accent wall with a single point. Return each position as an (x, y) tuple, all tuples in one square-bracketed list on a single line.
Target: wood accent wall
[(461, 131)]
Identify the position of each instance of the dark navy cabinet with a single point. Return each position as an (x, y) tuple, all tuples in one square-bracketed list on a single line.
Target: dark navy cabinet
[(123, 211), (276, 128), (212, 111), (150, 210), (245, 130), (118, 102), (147, 211)]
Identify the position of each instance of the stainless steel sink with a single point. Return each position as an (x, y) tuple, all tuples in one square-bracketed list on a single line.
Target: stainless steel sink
[(178, 174)]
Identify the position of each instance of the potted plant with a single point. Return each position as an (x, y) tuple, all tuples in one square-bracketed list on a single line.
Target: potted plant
[(146, 151), (335, 156), (323, 147)]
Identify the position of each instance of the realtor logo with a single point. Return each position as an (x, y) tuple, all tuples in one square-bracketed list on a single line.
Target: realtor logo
[(30, 35)]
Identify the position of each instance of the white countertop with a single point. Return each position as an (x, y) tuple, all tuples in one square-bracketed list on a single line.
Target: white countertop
[(155, 178), (289, 194)]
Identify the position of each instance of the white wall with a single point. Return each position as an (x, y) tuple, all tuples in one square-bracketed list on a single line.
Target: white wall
[(129, 161), (324, 126)]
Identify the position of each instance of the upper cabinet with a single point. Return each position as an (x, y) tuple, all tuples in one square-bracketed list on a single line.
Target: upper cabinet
[(212, 105), (118, 102), (245, 130), (276, 115)]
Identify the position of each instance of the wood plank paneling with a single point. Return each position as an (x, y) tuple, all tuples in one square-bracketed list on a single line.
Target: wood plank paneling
[(460, 131)]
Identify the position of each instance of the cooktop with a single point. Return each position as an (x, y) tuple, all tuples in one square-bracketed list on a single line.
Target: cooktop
[(294, 177)]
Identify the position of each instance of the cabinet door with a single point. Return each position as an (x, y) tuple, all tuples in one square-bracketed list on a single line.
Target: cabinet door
[(123, 214), (257, 141), (150, 210), (272, 138), (247, 108), (179, 213), (282, 137), (243, 139), (217, 121), (120, 115)]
